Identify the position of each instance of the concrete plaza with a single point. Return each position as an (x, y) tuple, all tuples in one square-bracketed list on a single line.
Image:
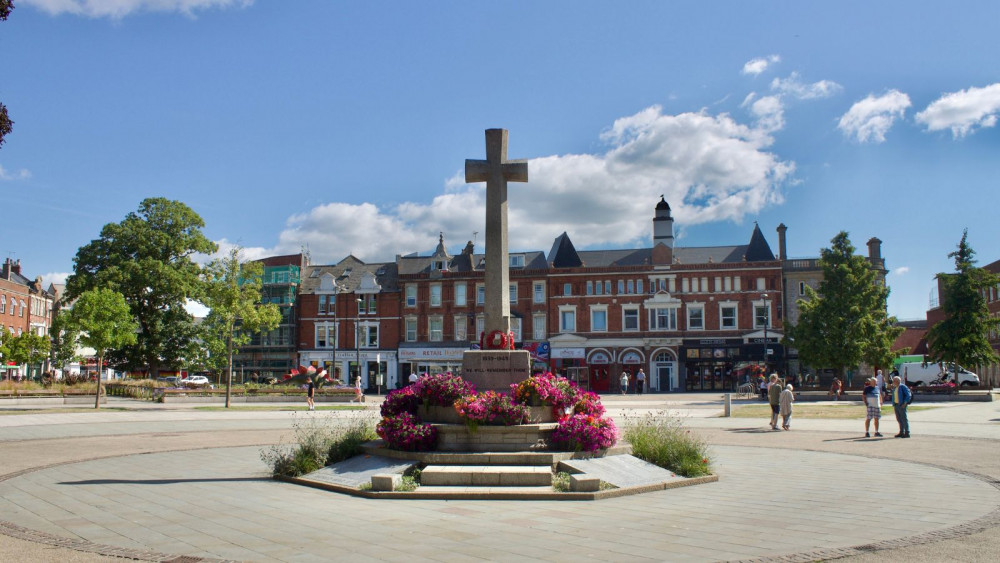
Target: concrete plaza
[(158, 483)]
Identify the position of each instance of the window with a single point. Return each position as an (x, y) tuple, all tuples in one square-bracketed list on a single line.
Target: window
[(685, 285), (515, 327), (590, 288), (728, 284), (607, 287), (663, 285), (513, 292), (761, 315), (411, 296), (599, 319), (321, 309), (435, 295), (664, 319), (638, 286), (567, 319), (372, 308), (461, 299), (736, 284), (630, 319), (621, 287), (718, 285), (567, 289), (480, 327), (600, 288), (20, 310), (727, 315), (538, 327), (696, 317), (369, 336), (326, 336), (411, 330), (539, 292), (480, 294), (516, 260), (439, 265), (802, 288), (461, 328), (760, 284), (3, 303), (631, 286), (435, 329)]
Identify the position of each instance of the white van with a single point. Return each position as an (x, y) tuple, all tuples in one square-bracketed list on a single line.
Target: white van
[(918, 374)]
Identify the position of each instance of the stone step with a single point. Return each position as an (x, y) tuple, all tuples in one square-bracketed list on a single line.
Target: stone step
[(486, 475), (465, 491)]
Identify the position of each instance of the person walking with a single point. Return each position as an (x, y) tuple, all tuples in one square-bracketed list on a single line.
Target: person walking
[(774, 399), (357, 389), (873, 406), (640, 381), (785, 406), (836, 389), (310, 393), (901, 398), (624, 382)]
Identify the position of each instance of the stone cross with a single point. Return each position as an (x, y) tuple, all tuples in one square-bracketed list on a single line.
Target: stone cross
[(496, 171)]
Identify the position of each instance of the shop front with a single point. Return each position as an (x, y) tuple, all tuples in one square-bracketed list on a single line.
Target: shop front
[(600, 370), (708, 363), (429, 360), (376, 368), (562, 359)]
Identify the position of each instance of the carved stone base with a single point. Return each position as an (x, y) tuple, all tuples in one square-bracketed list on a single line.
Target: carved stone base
[(495, 370)]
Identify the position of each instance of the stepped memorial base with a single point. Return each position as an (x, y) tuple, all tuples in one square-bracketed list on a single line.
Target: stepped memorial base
[(495, 370)]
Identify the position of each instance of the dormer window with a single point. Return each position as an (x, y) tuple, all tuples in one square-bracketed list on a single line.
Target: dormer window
[(439, 265), (517, 261)]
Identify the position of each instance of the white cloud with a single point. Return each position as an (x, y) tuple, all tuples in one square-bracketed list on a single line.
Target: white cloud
[(870, 118), (759, 65), (54, 277), (117, 9), (709, 167), (769, 111), (901, 271), (963, 111), (21, 174), (793, 86)]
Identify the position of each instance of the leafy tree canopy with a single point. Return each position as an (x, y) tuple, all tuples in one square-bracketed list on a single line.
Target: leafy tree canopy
[(845, 323), (148, 259), (6, 125), (25, 348), (64, 340), (963, 336)]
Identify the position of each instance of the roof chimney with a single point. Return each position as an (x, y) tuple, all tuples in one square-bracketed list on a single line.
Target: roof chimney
[(782, 255)]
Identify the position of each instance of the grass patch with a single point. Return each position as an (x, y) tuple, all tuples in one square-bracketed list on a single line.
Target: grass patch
[(662, 440), (60, 410), (318, 442), (853, 411), (302, 408), (560, 482)]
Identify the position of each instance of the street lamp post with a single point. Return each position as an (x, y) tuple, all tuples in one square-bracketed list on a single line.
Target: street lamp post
[(357, 335), (767, 316)]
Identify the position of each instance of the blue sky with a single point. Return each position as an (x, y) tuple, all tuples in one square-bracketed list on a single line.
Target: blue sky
[(344, 127)]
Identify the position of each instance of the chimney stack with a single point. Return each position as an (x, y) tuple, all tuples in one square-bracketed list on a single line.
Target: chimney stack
[(782, 255)]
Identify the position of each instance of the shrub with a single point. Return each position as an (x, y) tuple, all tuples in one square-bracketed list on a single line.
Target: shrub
[(406, 432), (492, 409), (665, 442), (317, 442), (545, 389), (348, 439), (400, 401), (442, 389), (582, 432)]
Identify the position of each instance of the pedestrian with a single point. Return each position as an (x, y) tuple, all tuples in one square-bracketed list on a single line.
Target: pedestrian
[(880, 383), (310, 392), (873, 406), (357, 388), (901, 398), (640, 381), (836, 388), (624, 382), (413, 378), (785, 406), (763, 388), (774, 399)]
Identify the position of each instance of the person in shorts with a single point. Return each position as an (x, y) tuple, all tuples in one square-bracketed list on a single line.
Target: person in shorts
[(774, 399), (873, 405)]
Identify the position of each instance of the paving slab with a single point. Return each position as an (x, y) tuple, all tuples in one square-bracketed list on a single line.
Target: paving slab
[(357, 470), (622, 470)]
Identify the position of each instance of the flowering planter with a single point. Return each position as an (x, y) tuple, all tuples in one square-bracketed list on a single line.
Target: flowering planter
[(434, 413)]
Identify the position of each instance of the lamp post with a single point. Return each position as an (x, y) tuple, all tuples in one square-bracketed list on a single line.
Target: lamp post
[(357, 334), (767, 315)]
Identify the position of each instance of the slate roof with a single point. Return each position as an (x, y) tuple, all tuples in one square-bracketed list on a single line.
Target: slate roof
[(348, 272)]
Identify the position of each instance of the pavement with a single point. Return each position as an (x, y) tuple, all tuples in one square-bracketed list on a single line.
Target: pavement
[(162, 482)]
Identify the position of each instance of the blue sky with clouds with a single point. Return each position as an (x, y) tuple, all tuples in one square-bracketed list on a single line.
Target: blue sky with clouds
[(344, 127)]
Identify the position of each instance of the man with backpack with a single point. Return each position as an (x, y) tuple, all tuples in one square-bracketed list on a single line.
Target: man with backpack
[(901, 398)]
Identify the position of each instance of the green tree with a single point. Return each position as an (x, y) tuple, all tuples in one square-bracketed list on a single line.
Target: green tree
[(64, 340), (962, 338), (104, 322), (148, 259), (6, 125), (26, 348), (845, 323), (233, 293)]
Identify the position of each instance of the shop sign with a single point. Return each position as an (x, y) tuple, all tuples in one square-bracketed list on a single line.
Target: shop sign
[(632, 358), (430, 354), (600, 358), (568, 353)]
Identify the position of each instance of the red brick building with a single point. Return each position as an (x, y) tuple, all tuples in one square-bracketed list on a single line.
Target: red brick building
[(24, 306)]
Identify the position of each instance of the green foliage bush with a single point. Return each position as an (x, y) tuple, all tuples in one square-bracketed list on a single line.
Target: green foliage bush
[(663, 441), (319, 441)]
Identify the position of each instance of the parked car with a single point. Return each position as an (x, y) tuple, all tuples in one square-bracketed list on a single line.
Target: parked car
[(918, 374), (195, 381), (170, 379)]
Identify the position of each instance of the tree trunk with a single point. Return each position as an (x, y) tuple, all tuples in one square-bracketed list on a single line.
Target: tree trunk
[(229, 367), (100, 367)]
